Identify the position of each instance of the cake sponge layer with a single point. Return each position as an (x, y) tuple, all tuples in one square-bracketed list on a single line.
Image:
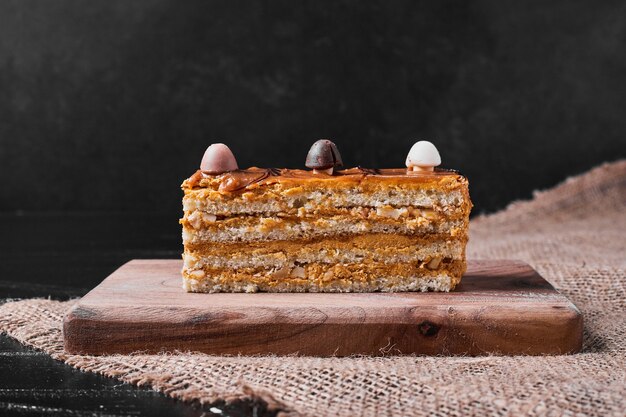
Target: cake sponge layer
[(316, 277), (385, 248), (442, 281), (249, 203), (278, 228)]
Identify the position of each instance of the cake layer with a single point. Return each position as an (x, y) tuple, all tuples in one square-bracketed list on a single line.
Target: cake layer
[(385, 248), (441, 281), (319, 200), (318, 277), (277, 228), (198, 219), (280, 191)]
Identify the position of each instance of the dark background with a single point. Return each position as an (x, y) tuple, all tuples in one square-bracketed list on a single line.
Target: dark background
[(106, 106)]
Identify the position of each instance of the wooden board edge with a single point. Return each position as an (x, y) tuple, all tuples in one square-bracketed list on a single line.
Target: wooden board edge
[(80, 319), (576, 324), (73, 330)]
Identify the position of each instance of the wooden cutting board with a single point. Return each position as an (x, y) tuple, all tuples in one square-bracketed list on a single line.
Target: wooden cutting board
[(501, 307)]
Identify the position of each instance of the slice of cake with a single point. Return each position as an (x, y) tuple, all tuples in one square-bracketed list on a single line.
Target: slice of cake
[(323, 230)]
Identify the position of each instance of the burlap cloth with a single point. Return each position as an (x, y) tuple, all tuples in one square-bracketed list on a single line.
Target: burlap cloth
[(574, 235)]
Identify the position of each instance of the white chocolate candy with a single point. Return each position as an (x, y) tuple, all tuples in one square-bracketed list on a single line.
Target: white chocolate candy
[(423, 156), (217, 159)]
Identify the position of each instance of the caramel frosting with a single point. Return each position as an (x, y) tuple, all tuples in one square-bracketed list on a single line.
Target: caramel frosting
[(243, 179)]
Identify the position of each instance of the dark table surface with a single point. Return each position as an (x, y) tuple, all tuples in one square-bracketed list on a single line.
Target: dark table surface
[(63, 256)]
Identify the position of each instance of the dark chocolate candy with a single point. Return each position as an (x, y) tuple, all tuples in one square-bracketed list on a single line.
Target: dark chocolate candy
[(323, 155)]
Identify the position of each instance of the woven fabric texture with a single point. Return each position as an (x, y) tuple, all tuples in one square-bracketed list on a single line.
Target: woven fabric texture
[(574, 235)]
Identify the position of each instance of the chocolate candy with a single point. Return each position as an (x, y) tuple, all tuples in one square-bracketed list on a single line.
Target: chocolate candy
[(323, 157)]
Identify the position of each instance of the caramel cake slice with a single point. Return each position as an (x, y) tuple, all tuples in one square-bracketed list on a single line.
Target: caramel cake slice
[(290, 230)]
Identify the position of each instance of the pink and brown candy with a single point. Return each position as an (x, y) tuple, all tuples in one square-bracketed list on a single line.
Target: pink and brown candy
[(217, 159)]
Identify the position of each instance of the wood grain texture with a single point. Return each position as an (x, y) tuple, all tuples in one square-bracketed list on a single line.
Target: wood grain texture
[(501, 307)]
